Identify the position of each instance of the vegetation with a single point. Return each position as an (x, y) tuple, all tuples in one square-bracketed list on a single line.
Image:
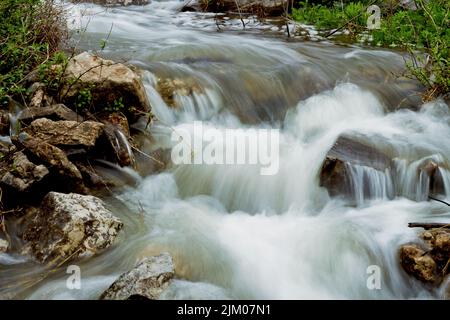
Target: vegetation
[(423, 32), (31, 35)]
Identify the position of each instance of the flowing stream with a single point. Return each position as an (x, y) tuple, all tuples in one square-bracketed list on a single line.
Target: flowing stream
[(232, 232)]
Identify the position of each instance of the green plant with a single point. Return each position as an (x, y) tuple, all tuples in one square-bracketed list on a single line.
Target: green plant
[(83, 100), (31, 32)]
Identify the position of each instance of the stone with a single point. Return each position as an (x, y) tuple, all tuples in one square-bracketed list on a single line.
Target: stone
[(4, 123), (66, 226), (66, 133), (416, 262), (119, 145), (431, 169), (170, 88), (259, 7), (107, 81), (3, 245), (334, 173), (21, 175), (54, 112), (54, 158), (112, 3), (147, 280), (439, 242), (39, 98)]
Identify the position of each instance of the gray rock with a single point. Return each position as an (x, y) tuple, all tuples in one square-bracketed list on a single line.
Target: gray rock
[(66, 133), (54, 112), (147, 280), (22, 174), (67, 226), (54, 158)]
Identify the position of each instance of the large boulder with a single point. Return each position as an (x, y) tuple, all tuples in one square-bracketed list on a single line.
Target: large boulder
[(67, 226), (335, 175), (54, 112), (66, 133), (21, 175), (110, 84), (147, 280)]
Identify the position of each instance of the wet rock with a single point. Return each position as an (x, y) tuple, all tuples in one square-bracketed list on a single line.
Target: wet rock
[(66, 133), (21, 175), (4, 123), (416, 262), (170, 88), (54, 158), (259, 7), (439, 242), (54, 112), (107, 81), (112, 3), (431, 169), (119, 145), (118, 120), (3, 245), (147, 280), (66, 226), (334, 174), (91, 178)]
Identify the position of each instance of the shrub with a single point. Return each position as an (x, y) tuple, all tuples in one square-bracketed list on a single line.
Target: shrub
[(31, 33)]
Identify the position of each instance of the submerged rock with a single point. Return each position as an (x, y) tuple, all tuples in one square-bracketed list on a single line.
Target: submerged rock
[(54, 112), (67, 226), (66, 133), (147, 280), (170, 88), (109, 83)]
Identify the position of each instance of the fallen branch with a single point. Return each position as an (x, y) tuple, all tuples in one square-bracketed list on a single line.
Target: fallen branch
[(429, 225), (439, 200)]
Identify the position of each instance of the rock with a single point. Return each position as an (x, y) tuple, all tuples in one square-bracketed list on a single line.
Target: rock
[(4, 123), (54, 112), (170, 88), (108, 83), (147, 280), (334, 174), (3, 245), (431, 169), (67, 226), (118, 120), (416, 262), (119, 145), (90, 176), (21, 175), (39, 98), (113, 3), (439, 242), (66, 133), (54, 158), (259, 7)]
